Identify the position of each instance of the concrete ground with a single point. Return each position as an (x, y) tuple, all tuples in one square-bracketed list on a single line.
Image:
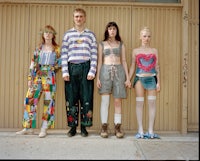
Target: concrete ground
[(57, 145)]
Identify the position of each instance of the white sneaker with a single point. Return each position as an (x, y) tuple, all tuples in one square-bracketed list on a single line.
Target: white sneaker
[(43, 133), (25, 131)]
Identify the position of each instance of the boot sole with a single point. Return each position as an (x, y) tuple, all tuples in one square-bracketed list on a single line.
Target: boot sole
[(70, 135)]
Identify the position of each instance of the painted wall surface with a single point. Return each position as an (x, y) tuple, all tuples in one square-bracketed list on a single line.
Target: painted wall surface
[(19, 35)]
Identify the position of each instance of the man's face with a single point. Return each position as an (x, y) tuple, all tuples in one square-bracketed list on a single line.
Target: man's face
[(79, 18)]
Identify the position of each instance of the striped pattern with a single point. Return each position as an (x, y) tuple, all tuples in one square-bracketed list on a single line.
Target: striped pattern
[(78, 48)]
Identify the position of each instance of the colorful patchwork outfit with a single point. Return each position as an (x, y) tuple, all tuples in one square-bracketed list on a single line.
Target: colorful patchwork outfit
[(43, 74)]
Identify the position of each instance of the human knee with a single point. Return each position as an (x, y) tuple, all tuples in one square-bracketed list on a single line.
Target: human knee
[(139, 101), (151, 100), (117, 102)]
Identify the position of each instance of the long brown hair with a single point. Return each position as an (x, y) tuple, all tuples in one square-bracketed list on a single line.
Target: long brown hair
[(50, 29), (106, 34)]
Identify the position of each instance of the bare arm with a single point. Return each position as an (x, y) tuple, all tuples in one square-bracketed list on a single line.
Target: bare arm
[(99, 64), (124, 63), (157, 71), (132, 67)]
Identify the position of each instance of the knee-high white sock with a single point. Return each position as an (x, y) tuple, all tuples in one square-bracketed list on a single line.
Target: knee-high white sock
[(117, 118), (139, 113), (104, 108), (152, 112)]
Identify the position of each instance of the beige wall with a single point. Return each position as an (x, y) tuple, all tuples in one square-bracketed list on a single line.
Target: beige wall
[(19, 34), (193, 66)]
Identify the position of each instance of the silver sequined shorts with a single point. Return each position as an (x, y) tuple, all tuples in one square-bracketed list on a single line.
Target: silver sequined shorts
[(113, 79)]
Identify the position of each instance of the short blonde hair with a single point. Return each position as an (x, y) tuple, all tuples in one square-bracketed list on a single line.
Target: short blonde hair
[(147, 29), (80, 10)]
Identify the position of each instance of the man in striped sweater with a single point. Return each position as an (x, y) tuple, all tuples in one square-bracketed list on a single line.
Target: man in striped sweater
[(79, 63)]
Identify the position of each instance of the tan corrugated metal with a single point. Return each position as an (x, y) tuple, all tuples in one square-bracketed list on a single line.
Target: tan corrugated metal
[(166, 37), (13, 62), (193, 66), (19, 35)]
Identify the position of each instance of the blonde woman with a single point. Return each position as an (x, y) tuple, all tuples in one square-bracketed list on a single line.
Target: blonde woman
[(145, 64)]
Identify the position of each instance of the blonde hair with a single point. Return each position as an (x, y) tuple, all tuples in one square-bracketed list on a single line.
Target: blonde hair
[(146, 29), (80, 10)]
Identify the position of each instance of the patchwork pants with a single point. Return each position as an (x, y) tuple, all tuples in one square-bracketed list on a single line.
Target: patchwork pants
[(44, 82)]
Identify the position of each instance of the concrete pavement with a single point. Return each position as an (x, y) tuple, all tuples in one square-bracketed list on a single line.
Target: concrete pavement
[(57, 145)]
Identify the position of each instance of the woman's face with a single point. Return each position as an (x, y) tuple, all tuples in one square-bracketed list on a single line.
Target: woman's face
[(48, 34), (145, 36), (112, 31)]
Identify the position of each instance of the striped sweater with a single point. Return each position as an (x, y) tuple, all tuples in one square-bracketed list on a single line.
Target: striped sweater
[(78, 48)]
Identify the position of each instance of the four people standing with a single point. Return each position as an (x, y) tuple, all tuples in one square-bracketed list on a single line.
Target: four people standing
[(112, 77), (79, 62), (79, 66)]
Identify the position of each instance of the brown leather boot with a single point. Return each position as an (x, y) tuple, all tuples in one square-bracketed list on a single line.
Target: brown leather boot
[(118, 132), (104, 132)]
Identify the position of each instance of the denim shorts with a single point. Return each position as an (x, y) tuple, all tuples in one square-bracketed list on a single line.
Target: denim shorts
[(148, 83)]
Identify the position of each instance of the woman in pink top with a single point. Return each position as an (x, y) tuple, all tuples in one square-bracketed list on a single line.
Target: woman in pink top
[(146, 68)]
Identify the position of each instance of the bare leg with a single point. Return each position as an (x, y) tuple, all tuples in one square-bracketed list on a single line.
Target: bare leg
[(118, 110)]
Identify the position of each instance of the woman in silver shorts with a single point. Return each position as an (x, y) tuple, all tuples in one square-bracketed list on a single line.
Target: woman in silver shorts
[(112, 76)]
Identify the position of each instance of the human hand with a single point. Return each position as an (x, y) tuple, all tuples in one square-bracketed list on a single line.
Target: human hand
[(66, 78), (30, 83), (90, 77), (128, 84), (158, 87), (98, 83)]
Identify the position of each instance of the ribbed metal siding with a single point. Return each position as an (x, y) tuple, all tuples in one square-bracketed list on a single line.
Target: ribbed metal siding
[(193, 66), (20, 35), (165, 24), (13, 62)]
